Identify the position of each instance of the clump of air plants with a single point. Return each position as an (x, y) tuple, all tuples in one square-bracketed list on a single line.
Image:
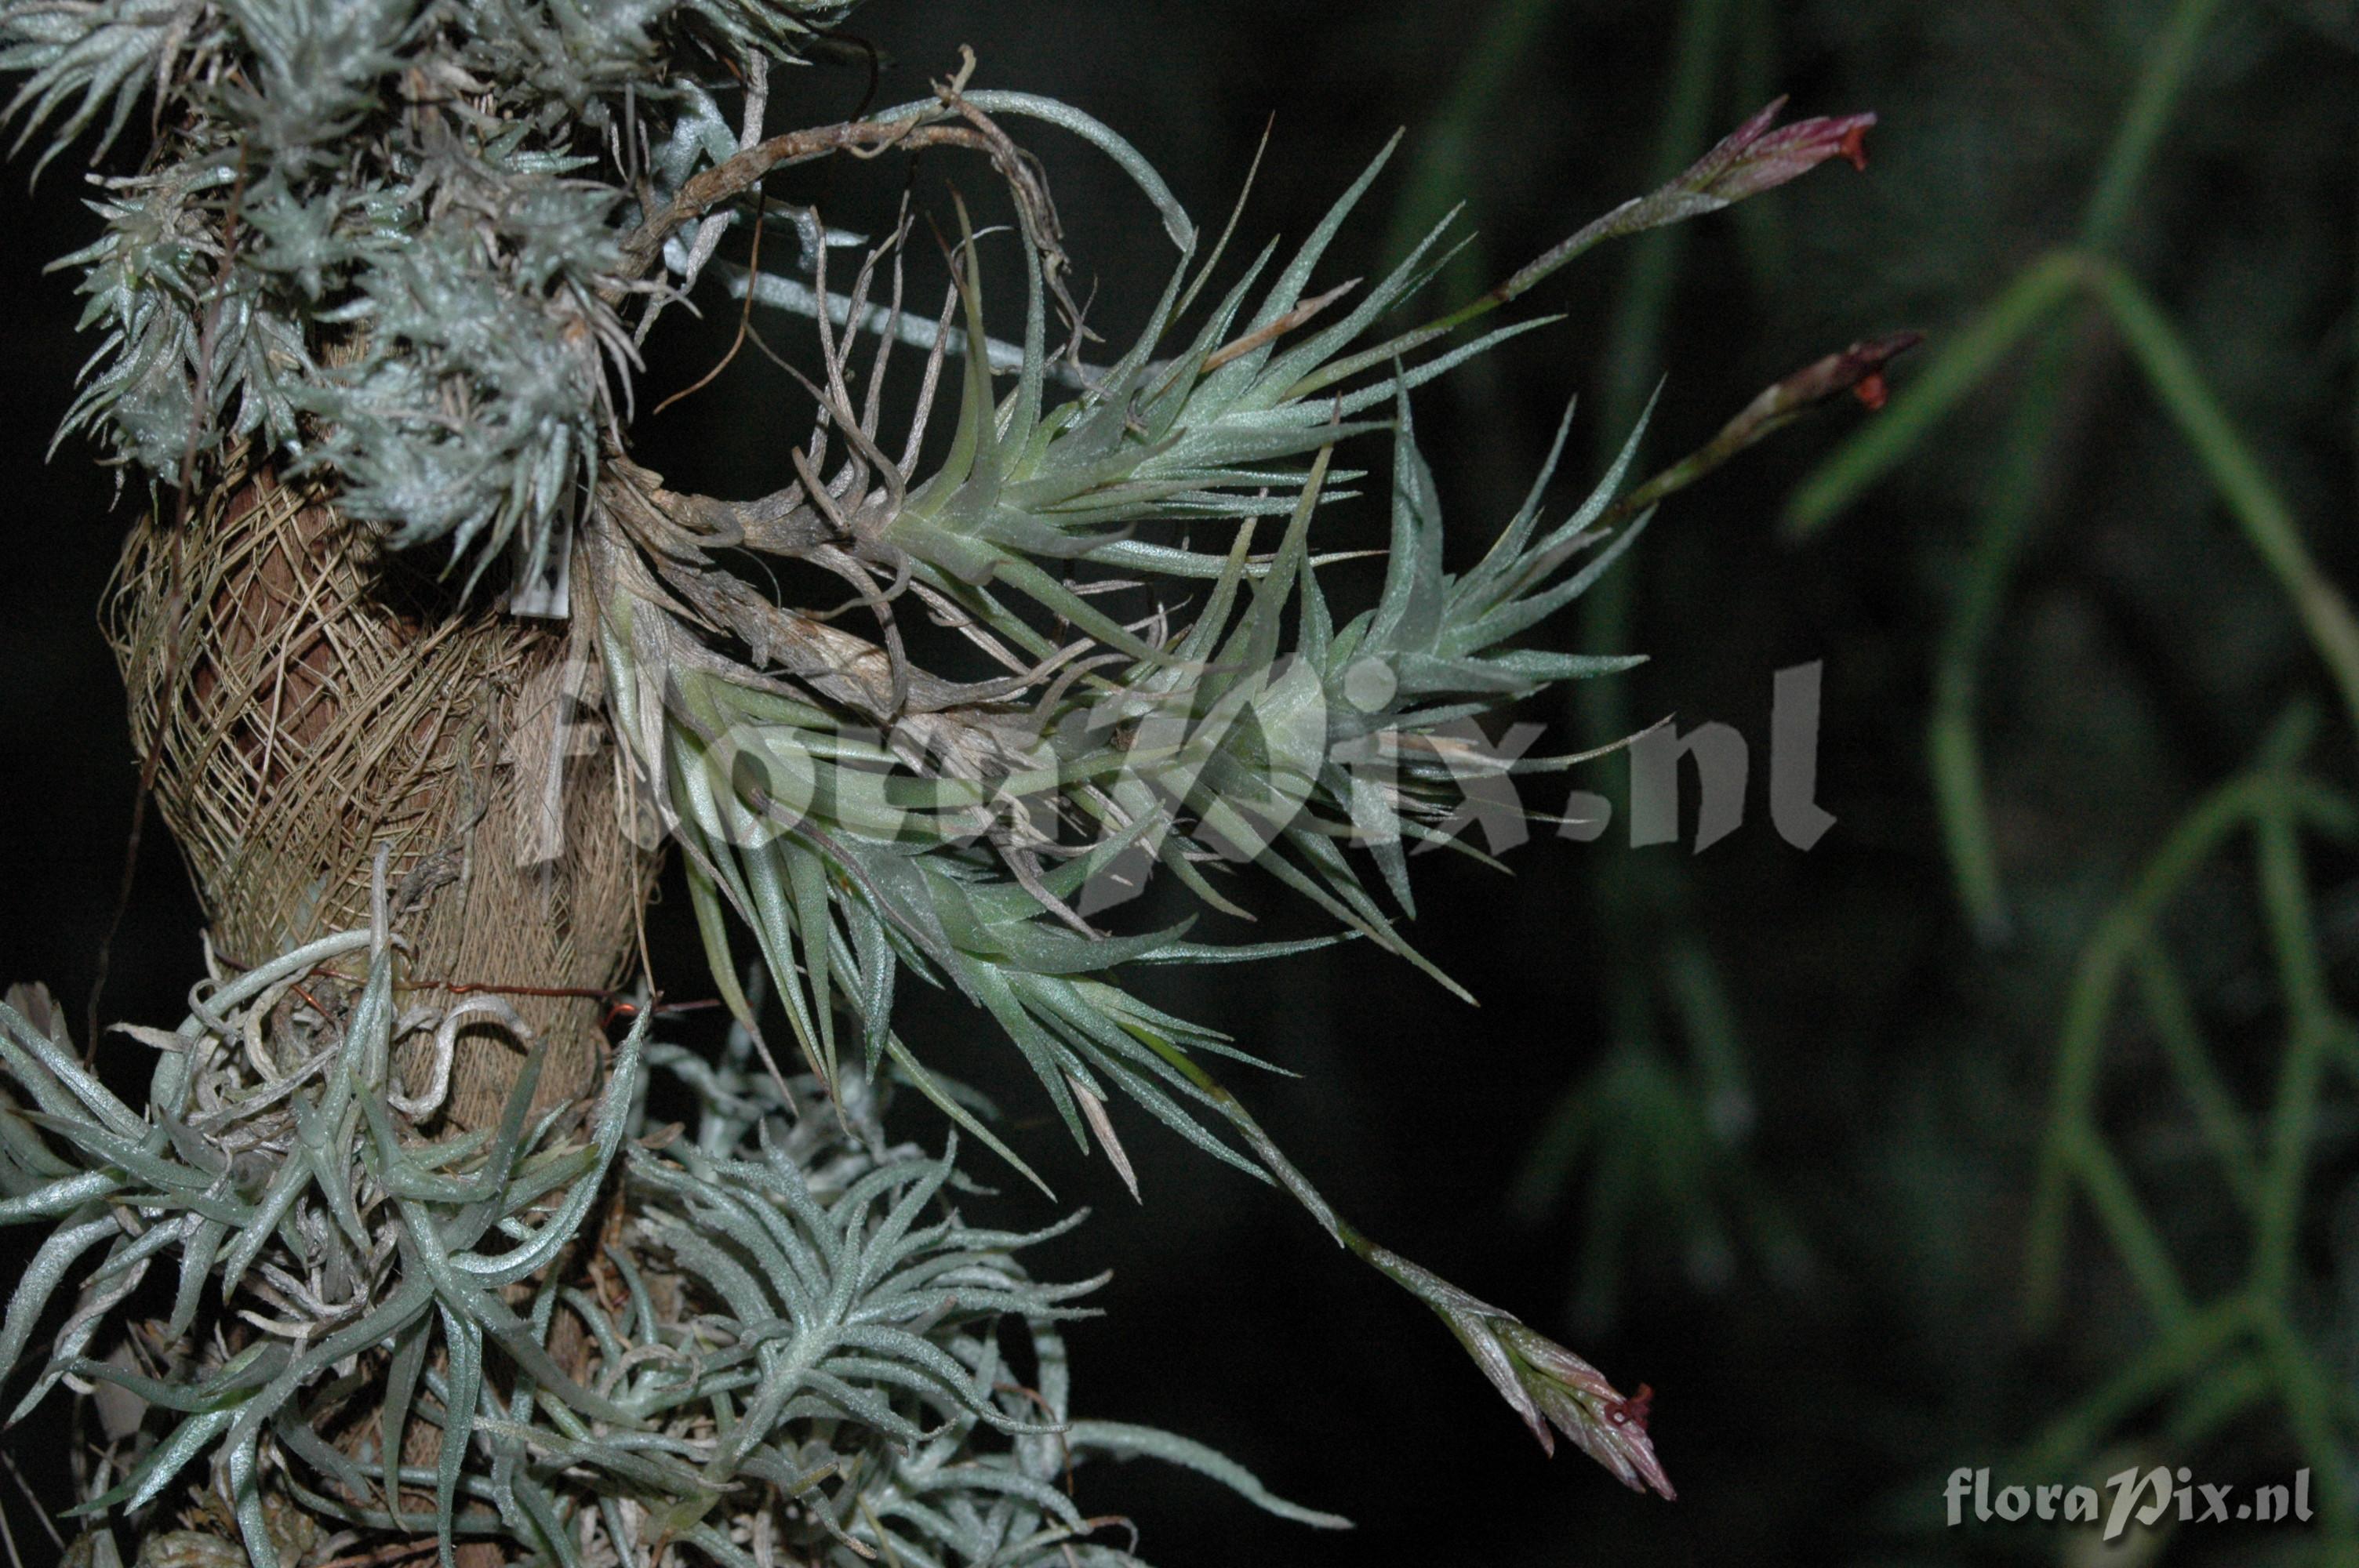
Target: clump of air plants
[(424, 667), (768, 1334)]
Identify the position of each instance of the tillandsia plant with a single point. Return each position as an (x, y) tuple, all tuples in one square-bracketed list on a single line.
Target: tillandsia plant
[(791, 1345), (426, 667)]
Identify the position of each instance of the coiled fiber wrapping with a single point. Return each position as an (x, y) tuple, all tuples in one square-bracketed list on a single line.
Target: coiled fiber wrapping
[(312, 699)]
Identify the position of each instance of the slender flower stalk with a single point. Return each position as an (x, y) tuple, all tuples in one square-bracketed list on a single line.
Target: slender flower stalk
[(1857, 369), (1751, 159)]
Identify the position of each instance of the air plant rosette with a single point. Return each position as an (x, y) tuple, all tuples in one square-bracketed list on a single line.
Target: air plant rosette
[(440, 1278), (786, 1339)]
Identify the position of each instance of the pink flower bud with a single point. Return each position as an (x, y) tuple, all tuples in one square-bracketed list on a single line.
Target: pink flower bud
[(1576, 1399), (1753, 157)]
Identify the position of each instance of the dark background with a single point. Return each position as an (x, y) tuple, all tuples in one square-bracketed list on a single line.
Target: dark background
[(1814, 1098)]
